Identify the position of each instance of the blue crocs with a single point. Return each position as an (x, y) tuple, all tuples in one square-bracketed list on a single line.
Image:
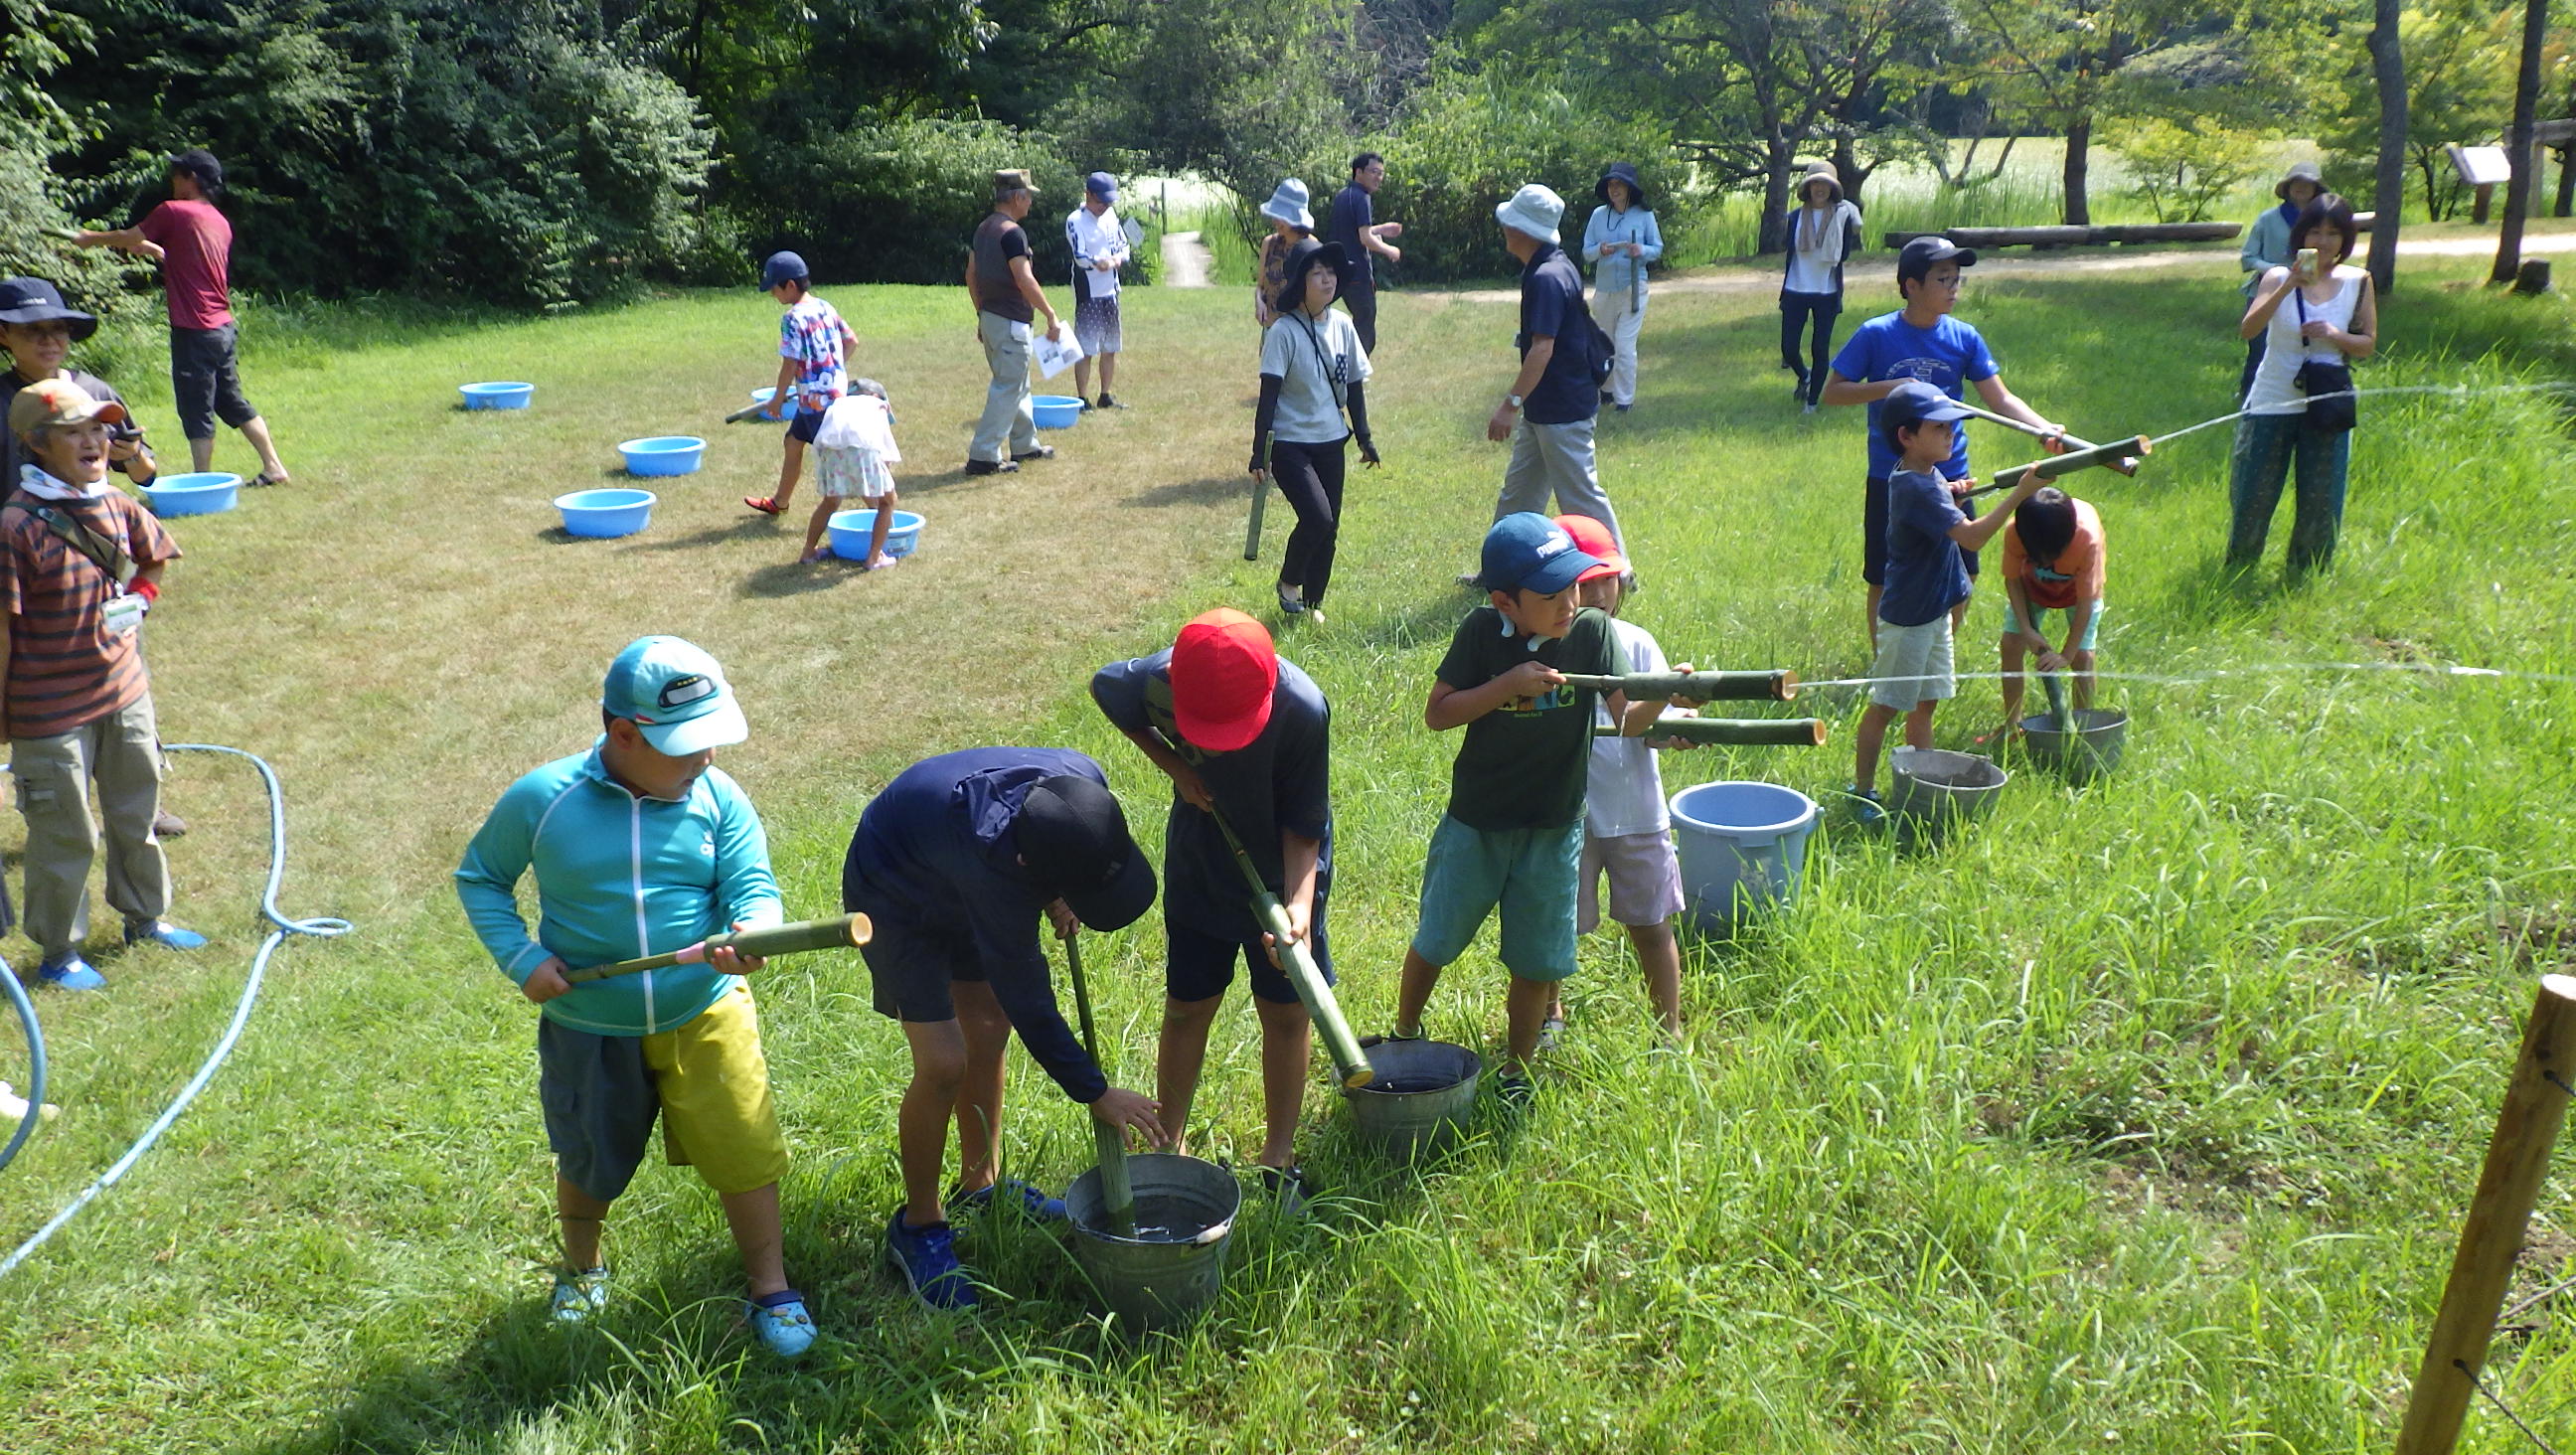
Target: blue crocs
[(927, 1259), (579, 1293), (781, 1323), (1012, 1192), (70, 972), (163, 933)]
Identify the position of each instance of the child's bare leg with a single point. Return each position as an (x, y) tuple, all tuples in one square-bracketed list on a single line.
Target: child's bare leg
[(753, 1217), (1525, 1007), (2013, 682), (921, 1122), (979, 1092), (1659, 955), (1178, 1057), (2082, 665), (1871, 635), (791, 468), (1287, 1044), (581, 1215), (1421, 977), (1918, 725), (815, 526), (884, 507), (1108, 371), (1867, 741), (1082, 377)]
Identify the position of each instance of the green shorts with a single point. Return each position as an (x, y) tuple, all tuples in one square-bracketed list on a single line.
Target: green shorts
[(2092, 629), (1530, 874)]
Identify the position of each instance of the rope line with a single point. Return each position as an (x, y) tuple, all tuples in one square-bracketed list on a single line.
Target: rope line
[(2506, 1410), (320, 927)]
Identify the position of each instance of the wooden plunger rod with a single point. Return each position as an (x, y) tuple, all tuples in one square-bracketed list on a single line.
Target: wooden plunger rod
[(2065, 464), (1756, 732), (1117, 1195), (1298, 963), (838, 933), (2535, 1107), (2124, 466), (1774, 686)]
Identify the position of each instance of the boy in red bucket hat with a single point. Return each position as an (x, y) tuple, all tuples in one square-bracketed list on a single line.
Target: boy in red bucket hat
[(1244, 735)]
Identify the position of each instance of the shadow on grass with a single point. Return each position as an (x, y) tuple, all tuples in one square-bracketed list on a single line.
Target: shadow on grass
[(1206, 490), (1428, 620), (797, 578)]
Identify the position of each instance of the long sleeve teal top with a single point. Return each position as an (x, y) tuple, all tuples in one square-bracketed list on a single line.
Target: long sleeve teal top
[(618, 877), (1609, 225)]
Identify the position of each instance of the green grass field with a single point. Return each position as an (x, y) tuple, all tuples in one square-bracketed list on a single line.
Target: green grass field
[(2139, 1118)]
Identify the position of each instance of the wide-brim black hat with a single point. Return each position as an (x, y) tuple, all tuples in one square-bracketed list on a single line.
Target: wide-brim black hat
[(1620, 172), (1305, 253), (33, 300), (1072, 835)]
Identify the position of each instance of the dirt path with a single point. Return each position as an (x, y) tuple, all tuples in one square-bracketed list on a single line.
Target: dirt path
[(1186, 261)]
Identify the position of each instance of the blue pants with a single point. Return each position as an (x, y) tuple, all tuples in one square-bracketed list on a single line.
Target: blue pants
[(2273, 450)]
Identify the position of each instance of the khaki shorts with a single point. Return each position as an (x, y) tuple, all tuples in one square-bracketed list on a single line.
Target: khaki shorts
[(707, 1081)]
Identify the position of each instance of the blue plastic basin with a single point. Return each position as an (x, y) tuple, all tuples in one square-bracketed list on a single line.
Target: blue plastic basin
[(503, 395), (602, 514), (761, 396), (669, 454), (850, 529), (1741, 846), (1056, 411), (199, 494)]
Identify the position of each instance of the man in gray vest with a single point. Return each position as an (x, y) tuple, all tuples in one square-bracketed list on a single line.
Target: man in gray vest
[(1007, 298)]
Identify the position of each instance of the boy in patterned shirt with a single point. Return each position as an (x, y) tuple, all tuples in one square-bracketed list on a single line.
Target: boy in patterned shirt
[(813, 360)]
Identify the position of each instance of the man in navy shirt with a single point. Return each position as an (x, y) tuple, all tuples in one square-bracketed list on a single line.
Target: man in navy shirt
[(1244, 735), (1549, 413), (1920, 341), (1353, 223), (954, 864)]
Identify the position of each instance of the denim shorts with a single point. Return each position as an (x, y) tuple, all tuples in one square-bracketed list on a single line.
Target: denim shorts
[(1529, 874)]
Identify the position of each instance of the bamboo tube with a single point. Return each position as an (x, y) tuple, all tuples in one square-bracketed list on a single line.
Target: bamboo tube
[(1759, 732), (1117, 1195), (1298, 963), (2058, 711), (1778, 685), (2535, 1106), (838, 933), (1252, 532), (2126, 466), (2065, 464)]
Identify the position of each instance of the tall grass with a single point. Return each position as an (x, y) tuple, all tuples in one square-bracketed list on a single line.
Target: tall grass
[(1223, 230)]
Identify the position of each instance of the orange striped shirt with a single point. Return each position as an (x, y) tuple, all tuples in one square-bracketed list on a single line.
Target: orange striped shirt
[(67, 667)]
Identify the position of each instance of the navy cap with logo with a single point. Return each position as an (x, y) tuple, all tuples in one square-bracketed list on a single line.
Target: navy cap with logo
[(1072, 835), (1529, 552), (1917, 257), (1916, 402)]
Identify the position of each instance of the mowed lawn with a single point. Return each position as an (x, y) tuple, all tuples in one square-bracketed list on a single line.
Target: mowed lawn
[(2137, 1118)]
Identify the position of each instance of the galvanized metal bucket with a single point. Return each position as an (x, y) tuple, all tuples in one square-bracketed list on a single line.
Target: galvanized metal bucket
[(1937, 790), (2099, 733), (1152, 1283), (1420, 1101)]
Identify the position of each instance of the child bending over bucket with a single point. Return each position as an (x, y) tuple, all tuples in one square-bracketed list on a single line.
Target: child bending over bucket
[(1244, 734), (1627, 831), (2052, 562), (956, 864), (814, 347), (641, 847), (1928, 537), (852, 451), (1513, 835)]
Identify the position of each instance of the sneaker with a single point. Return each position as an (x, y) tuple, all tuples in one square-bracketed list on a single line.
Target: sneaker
[(780, 1322), (1623, 409), (70, 972), (1042, 452), (1292, 1187), (766, 505), (168, 825), (1105, 402), (1551, 1031), (163, 933), (1012, 1192), (1810, 407), (990, 467), (1867, 807), (1081, 405), (1514, 1091), (1315, 614), (927, 1259), (578, 1294)]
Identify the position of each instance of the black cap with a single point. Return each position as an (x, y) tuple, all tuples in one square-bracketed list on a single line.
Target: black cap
[(33, 300), (1073, 837), (200, 163), (1919, 255)]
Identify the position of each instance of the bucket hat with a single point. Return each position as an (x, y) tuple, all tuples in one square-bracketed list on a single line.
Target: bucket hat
[(1073, 837), (675, 693), (33, 300), (2298, 172), (1621, 172), (1305, 253), (1224, 670), (1818, 172), (1533, 210), (1288, 205)]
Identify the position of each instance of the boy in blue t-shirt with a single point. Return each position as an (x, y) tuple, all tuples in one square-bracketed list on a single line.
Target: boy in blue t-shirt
[(814, 347), (1928, 540), (1921, 341)]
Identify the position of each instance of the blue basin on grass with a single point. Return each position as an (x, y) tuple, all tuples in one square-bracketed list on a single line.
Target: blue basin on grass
[(503, 395), (669, 454), (197, 494), (761, 396), (604, 514), (1056, 411), (850, 530)]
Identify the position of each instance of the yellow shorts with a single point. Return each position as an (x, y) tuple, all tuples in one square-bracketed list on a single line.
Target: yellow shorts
[(707, 1080)]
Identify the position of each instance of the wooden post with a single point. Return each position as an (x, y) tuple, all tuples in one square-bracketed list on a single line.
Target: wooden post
[(2481, 201), (2535, 1106)]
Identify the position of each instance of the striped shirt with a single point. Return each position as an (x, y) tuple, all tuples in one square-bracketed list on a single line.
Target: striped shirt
[(67, 666)]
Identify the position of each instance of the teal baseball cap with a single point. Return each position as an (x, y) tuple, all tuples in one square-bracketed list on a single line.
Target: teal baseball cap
[(676, 693)]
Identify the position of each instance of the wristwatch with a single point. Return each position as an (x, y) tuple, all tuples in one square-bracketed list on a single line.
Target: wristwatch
[(1511, 401)]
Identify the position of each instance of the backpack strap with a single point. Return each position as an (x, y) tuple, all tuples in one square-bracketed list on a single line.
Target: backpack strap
[(102, 552)]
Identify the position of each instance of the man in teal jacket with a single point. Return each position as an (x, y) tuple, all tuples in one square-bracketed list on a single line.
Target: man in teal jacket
[(641, 847)]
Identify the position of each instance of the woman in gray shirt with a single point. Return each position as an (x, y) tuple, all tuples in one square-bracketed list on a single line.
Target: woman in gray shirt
[(1312, 368)]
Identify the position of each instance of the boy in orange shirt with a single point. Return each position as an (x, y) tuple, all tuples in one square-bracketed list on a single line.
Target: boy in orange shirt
[(2052, 562)]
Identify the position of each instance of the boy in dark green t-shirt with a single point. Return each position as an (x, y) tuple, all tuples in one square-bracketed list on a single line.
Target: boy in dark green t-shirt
[(1513, 835)]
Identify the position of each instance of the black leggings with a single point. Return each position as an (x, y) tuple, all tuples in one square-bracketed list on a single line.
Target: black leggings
[(1311, 477), (1795, 311)]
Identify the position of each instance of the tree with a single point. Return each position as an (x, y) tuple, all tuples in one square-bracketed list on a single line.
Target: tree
[(2455, 77), (2060, 58), (1858, 62), (2518, 146), (2388, 77)]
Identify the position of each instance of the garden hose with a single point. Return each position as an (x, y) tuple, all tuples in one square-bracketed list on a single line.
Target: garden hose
[(35, 1062), (320, 927)]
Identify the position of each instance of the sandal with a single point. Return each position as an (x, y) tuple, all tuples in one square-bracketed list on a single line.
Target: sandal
[(263, 478), (764, 504)]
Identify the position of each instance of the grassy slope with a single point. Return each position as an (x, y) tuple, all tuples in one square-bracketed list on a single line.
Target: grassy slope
[(2143, 1115)]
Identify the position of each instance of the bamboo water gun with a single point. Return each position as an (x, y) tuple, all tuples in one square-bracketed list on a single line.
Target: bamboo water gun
[(1758, 732), (840, 933), (1298, 963), (1117, 1193), (2108, 456), (1774, 686), (2125, 464)]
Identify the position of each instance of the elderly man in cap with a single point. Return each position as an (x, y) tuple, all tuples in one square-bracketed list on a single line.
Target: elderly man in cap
[(1007, 299), (1099, 243), (1549, 412), (80, 563), (956, 864), (193, 244), (2267, 246)]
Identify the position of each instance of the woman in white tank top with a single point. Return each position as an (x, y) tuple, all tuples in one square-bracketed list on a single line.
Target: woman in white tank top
[(2331, 316)]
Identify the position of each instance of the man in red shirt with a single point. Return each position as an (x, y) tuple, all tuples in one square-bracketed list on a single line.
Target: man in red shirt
[(193, 244)]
